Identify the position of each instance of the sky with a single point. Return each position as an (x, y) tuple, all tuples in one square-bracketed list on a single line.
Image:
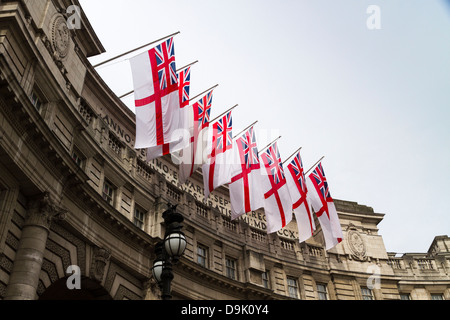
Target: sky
[(375, 102)]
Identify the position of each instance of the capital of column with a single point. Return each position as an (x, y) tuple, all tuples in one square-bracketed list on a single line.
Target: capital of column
[(43, 210)]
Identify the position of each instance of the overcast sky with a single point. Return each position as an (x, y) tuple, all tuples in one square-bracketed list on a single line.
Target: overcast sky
[(374, 102)]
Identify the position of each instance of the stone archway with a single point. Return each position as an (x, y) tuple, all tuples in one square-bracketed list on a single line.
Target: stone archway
[(90, 290)]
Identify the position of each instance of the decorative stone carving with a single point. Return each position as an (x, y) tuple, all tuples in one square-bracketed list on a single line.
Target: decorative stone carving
[(152, 288), (98, 266), (28, 20), (356, 244), (60, 37), (43, 211), (47, 43)]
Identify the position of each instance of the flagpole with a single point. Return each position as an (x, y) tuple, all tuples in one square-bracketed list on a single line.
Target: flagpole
[(271, 143), (189, 65), (292, 154), (126, 94), (182, 68), (245, 129), (210, 89), (131, 51), (314, 165), (223, 113)]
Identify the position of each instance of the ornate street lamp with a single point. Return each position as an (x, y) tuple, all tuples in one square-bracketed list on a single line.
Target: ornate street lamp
[(169, 251)]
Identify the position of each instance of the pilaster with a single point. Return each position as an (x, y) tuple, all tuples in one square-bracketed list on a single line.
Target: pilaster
[(24, 277)]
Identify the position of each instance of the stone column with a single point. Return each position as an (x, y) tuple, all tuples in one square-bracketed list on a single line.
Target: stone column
[(24, 277)]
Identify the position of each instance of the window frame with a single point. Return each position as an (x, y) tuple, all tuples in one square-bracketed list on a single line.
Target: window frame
[(405, 296), (202, 260), (36, 100), (436, 296), (367, 293), (136, 220), (265, 276), (322, 293), (231, 268), (293, 289), (78, 157), (108, 198)]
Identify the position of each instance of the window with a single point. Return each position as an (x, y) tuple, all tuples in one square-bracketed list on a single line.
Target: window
[(437, 296), (139, 217), (78, 158), (108, 192), (202, 255), (37, 103), (265, 279), (366, 294), (231, 268), (322, 291), (405, 296), (292, 287)]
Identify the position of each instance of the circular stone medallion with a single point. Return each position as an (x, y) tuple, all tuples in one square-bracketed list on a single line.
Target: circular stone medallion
[(61, 36)]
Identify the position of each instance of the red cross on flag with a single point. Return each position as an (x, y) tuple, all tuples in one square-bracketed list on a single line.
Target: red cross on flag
[(184, 82), (157, 99), (194, 155), (217, 169), (245, 186), (277, 200), (324, 207), (296, 181)]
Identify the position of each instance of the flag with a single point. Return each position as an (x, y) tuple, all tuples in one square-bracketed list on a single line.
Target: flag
[(194, 155), (277, 200), (217, 169), (184, 86), (184, 83), (296, 181), (156, 97), (245, 186), (323, 205)]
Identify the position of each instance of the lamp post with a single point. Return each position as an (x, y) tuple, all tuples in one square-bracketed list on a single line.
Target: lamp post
[(169, 251)]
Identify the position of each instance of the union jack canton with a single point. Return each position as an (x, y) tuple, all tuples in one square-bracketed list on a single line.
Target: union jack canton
[(297, 169), (249, 150), (165, 63), (274, 165), (223, 134), (203, 107), (184, 84), (321, 183)]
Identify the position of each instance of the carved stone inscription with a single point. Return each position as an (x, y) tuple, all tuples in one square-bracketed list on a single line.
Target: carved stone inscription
[(255, 219), (221, 203)]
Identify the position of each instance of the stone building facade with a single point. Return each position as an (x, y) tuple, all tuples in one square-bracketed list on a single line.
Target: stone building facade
[(76, 195)]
